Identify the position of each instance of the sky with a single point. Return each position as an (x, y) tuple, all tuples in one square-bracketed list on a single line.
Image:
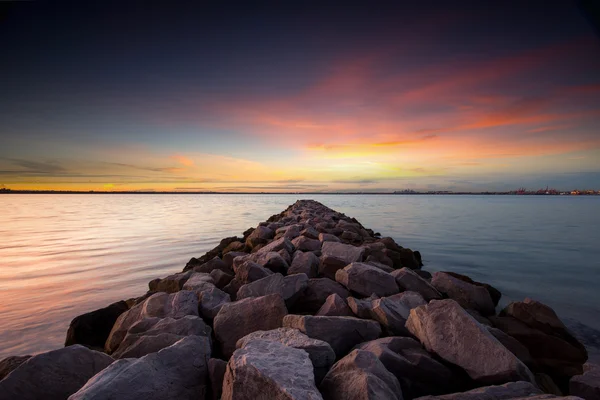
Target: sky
[(299, 96)]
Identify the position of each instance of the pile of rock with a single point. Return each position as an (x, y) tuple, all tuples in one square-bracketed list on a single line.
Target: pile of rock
[(310, 305)]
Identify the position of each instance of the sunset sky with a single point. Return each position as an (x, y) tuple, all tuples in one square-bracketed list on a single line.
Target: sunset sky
[(434, 96)]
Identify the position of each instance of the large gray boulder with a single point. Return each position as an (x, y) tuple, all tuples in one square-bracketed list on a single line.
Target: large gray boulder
[(586, 386), (178, 372), (153, 334), (407, 279), (361, 376), (335, 256), (321, 354), (335, 306), (342, 333), (54, 375), (446, 329), (316, 293), (239, 318), (306, 263), (509, 390), (198, 282), (211, 300), (303, 243), (464, 293), (366, 280), (269, 370), (416, 370), (160, 305), (393, 311)]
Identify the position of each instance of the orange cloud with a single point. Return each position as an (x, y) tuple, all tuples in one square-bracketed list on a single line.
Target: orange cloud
[(182, 160)]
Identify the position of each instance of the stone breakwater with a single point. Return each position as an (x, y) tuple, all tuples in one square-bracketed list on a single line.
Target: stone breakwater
[(310, 305)]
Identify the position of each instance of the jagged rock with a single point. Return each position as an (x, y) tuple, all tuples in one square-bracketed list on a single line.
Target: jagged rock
[(342, 333), (220, 278), (11, 363), (178, 372), (494, 293), (160, 305), (407, 279), (511, 390), (211, 301), (417, 371), (366, 280), (292, 232), (305, 263), (466, 294), (92, 329), (276, 245), (236, 246), (554, 349), (362, 308), (512, 344), (286, 256), (321, 354), (393, 311), (310, 233), (153, 334), (446, 329), (54, 375), (293, 288), (335, 256), (170, 284), (269, 370), (289, 287), (360, 375), (316, 293), (250, 271), (586, 386), (232, 288), (335, 306), (327, 237), (229, 257), (239, 318), (303, 243), (198, 282), (216, 374), (260, 235), (214, 263)]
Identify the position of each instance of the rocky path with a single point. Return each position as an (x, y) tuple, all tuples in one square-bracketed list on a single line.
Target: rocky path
[(310, 305)]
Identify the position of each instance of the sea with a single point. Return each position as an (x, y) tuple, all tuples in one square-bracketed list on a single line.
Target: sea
[(62, 255)]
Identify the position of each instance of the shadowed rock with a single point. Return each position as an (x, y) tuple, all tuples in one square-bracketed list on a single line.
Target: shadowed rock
[(260, 235), (249, 271), (509, 390), (220, 278), (392, 312), (494, 293), (9, 364), (335, 306), (92, 329), (303, 243), (178, 372), (54, 375), (316, 293), (366, 280), (362, 308), (269, 370), (211, 265), (466, 294), (446, 329), (586, 386), (289, 287), (407, 279), (216, 373), (170, 284), (327, 237), (337, 255), (305, 263)]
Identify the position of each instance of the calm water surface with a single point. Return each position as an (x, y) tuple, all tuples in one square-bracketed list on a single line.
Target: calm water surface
[(63, 255)]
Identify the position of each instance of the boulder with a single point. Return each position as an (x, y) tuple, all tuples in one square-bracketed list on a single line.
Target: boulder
[(216, 373), (303, 243), (407, 279), (377, 264), (232, 288), (276, 245), (217, 251), (170, 284), (239, 318), (417, 371), (316, 293), (260, 235), (178, 372), (511, 390), (342, 333), (250, 271), (337, 255), (366, 280), (494, 293), (306, 263), (153, 334), (292, 231), (310, 233), (220, 278), (211, 300), (362, 308), (233, 247), (393, 311), (54, 375), (424, 274), (286, 256), (289, 287), (229, 257), (321, 354), (466, 294), (293, 288), (160, 305), (360, 375), (327, 237), (269, 370), (335, 306), (512, 344), (586, 386), (447, 330), (11, 363), (198, 282), (271, 260), (92, 329), (212, 264)]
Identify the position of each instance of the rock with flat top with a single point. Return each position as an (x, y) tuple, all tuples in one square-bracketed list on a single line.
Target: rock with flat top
[(509, 390), (269, 370), (327, 237), (393, 311), (289, 287), (278, 244), (305, 263), (303, 243), (250, 271), (366, 280), (495, 294), (466, 294), (447, 330), (178, 372), (237, 319), (362, 308), (407, 279), (54, 375), (342, 333), (335, 306), (160, 305), (335, 256), (360, 375), (198, 282)]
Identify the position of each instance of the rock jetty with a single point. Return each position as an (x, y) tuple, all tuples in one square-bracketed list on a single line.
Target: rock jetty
[(310, 305)]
